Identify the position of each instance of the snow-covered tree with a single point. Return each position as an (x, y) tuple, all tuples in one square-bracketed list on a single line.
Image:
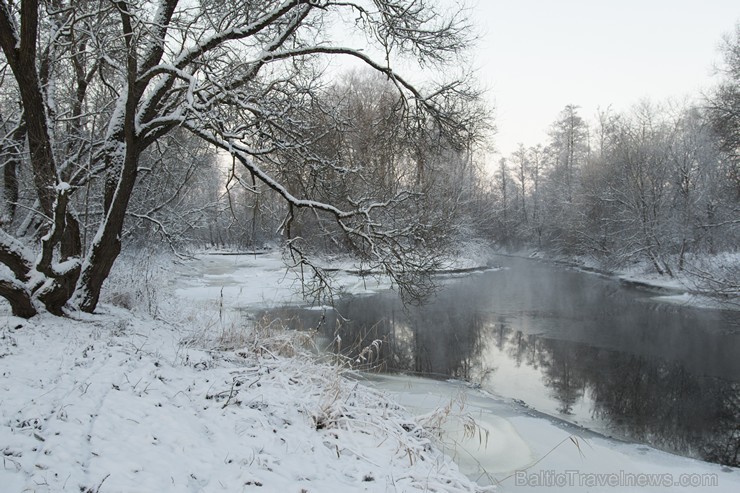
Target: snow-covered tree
[(724, 101), (569, 147), (90, 87)]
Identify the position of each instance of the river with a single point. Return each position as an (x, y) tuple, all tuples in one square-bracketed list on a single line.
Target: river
[(582, 347)]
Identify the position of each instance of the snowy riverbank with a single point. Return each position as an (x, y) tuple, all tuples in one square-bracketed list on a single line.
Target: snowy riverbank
[(521, 450), (115, 403), (118, 402), (697, 285), (207, 402)]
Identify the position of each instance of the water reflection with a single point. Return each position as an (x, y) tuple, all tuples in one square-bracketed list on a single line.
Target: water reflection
[(646, 372)]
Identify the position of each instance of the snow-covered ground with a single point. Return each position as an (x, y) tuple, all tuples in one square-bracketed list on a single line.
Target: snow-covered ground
[(199, 399), (113, 403), (119, 402), (694, 285), (258, 281)]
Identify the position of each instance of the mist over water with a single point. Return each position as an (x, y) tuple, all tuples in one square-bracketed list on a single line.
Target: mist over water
[(578, 346)]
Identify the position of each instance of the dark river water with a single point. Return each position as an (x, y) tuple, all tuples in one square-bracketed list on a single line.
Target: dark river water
[(585, 348)]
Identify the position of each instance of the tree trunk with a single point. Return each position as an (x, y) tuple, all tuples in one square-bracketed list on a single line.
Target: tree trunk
[(18, 297), (11, 158), (22, 61), (56, 292), (107, 243)]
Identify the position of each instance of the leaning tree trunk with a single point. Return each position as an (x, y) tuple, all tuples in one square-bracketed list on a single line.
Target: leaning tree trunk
[(19, 298), (14, 256), (122, 137), (107, 244)]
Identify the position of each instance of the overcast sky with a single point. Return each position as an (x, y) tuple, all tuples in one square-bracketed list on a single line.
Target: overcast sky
[(536, 56)]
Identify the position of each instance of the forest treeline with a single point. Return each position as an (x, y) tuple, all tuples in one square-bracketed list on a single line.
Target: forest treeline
[(658, 183), (653, 183), (134, 123)]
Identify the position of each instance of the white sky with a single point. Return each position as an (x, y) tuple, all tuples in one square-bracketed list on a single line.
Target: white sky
[(536, 56)]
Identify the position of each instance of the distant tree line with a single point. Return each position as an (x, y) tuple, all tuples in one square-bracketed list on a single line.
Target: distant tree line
[(660, 182)]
